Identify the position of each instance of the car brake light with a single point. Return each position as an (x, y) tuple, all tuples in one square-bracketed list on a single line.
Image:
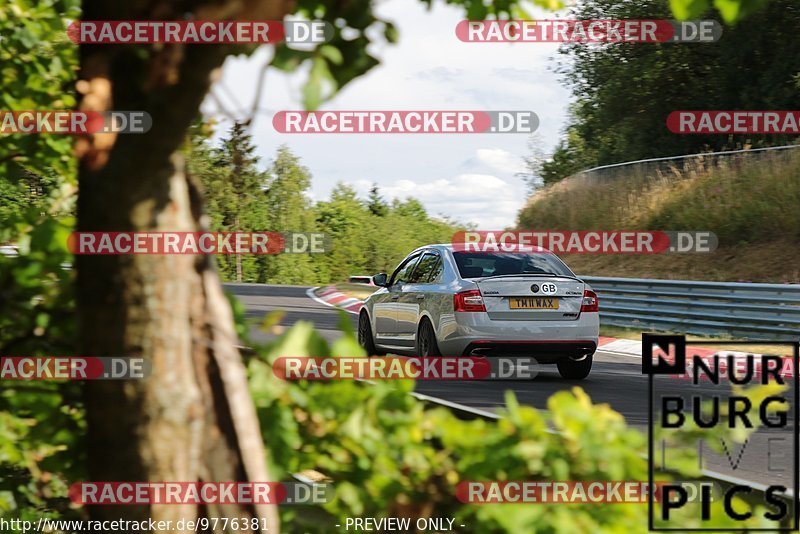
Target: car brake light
[(468, 301), (590, 303)]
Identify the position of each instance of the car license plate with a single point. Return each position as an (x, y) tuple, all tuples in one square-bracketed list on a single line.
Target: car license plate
[(529, 303)]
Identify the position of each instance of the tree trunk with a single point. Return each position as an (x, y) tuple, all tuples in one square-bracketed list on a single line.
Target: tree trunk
[(193, 419)]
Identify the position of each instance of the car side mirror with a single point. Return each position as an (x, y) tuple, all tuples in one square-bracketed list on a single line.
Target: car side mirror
[(379, 279)]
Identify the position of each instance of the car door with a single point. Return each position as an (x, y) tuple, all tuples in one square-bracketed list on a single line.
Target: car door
[(413, 297), (385, 307)]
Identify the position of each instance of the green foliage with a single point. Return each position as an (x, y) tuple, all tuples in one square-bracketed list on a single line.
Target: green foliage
[(731, 10), (28, 197), (41, 449), (388, 454), (289, 209), (377, 206), (347, 221), (37, 67), (36, 292), (385, 453), (570, 156), (234, 189), (41, 424)]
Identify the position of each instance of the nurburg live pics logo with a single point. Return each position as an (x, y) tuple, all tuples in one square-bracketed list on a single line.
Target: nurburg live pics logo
[(711, 381)]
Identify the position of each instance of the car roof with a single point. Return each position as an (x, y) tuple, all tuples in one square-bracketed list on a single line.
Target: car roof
[(449, 246), (437, 246)]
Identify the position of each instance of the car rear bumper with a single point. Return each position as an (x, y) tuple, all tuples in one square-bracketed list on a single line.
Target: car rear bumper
[(545, 351), (548, 341)]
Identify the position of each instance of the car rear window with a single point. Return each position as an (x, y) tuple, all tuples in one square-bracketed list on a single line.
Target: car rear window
[(479, 264)]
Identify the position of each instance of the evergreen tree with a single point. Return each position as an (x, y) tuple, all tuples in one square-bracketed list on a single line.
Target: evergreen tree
[(376, 204), (289, 209)]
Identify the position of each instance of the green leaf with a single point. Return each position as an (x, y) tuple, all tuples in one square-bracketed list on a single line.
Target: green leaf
[(313, 92), (332, 54), (735, 10), (287, 59), (271, 320), (687, 9)]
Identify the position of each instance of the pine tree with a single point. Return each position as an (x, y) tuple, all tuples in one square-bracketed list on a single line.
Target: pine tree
[(376, 204)]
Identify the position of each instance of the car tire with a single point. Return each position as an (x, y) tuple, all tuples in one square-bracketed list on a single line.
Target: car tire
[(575, 370), (426, 340), (365, 335)]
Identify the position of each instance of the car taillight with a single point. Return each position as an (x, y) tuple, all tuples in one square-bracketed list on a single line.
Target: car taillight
[(468, 301), (590, 303)]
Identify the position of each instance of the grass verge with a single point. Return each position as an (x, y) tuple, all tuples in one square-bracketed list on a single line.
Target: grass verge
[(750, 203)]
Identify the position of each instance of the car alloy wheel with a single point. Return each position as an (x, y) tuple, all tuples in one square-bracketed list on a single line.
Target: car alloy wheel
[(426, 342)]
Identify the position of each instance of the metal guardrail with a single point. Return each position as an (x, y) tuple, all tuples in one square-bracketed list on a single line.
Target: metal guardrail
[(673, 166), (740, 310), (748, 151)]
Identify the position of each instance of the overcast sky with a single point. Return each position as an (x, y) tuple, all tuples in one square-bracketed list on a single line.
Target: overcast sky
[(470, 178)]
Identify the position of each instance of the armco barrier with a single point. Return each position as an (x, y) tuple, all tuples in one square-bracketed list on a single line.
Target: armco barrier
[(673, 167), (755, 311)]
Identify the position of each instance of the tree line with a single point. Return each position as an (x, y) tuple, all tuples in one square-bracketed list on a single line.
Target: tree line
[(363, 236)]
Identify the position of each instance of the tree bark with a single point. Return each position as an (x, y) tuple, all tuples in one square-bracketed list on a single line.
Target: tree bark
[(193, 419)]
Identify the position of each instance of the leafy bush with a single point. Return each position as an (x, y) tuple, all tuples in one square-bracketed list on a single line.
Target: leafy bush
[(389, 454), (386, 453), (42, 423), (41, 449)]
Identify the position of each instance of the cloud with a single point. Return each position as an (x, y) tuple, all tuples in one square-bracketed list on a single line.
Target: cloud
[(484, 199), (428, 69), (518, 75), (440, 74), (500, 160)]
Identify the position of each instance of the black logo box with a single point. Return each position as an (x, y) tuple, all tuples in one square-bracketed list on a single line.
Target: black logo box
[(678, 366)]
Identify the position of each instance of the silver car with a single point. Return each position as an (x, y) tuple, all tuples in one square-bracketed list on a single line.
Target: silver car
[(441, 301)]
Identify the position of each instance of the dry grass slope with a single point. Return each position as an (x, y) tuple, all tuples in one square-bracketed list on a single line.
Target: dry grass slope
[(752, 204)]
